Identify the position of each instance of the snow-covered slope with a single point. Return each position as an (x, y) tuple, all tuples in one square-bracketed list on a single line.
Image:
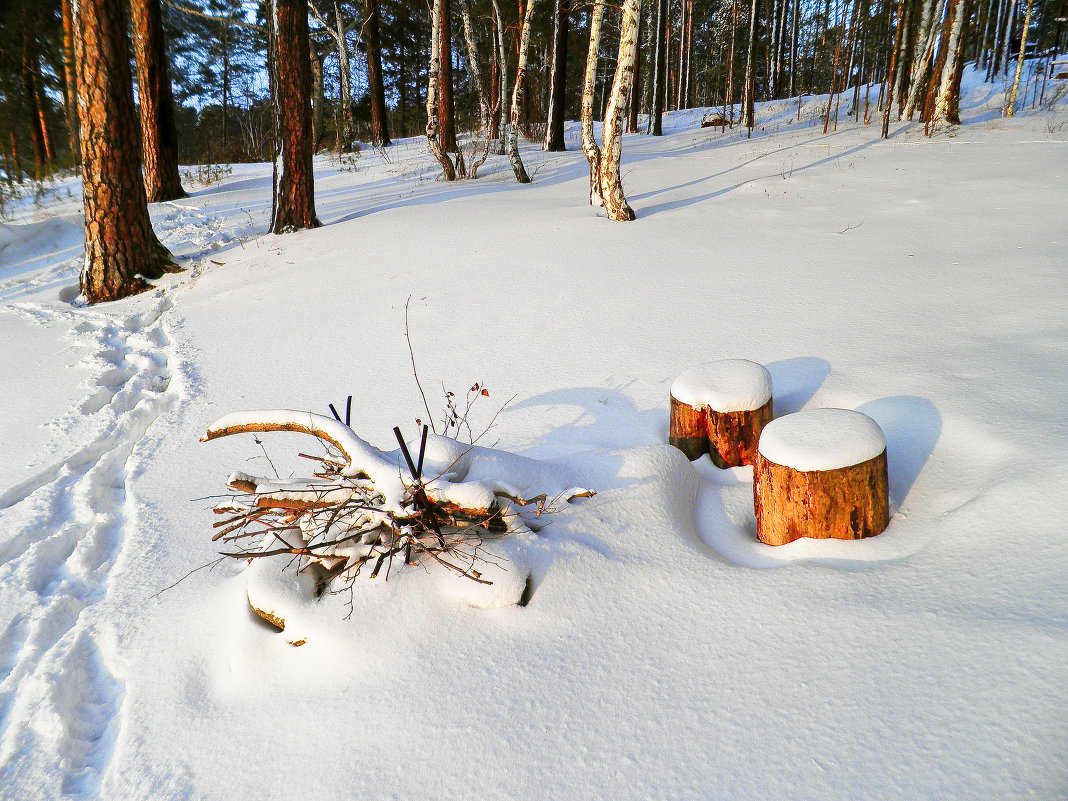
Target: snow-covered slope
[(665, 652)]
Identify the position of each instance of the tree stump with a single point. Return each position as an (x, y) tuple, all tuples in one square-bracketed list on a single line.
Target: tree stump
[(822, 474), (720, 409)]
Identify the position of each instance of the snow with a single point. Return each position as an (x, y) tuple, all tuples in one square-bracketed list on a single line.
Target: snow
[(664, 652), (821, 439), (726, 385)]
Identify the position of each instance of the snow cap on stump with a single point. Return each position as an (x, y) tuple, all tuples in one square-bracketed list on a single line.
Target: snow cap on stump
[(822, 474), (727, 385), (821, 439)]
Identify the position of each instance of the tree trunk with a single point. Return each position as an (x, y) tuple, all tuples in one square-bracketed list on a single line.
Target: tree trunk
[(930, 24), (517, 97), (947, 102), (474, 62), (432, 97), (375, 86), (1010, 104), (892, 66), (295, 208), (748, 117), (38, 131), (615, 202), (656, 114), (121, 250), (554, 130), (589, 143), (635, 95), (505, 108), (70, 83), (318, 99), (446, 104), (159, 136), (15, 158)]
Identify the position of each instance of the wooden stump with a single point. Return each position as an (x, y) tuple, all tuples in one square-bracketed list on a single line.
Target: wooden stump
[(821, 474), (720, 409)]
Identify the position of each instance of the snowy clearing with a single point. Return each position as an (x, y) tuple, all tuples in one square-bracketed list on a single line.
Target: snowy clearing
[(665, 652)]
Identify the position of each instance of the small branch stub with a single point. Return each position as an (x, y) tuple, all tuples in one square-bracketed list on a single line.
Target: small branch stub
[(720, 409), (821, 474)]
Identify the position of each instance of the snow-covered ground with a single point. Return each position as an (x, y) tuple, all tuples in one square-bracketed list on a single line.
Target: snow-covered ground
[(665, 652)]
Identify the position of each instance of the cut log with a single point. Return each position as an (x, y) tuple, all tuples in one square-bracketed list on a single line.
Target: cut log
[(713, 120), (821, 474), (720, 409)]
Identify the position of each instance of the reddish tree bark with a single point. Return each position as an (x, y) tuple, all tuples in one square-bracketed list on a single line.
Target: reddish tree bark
[(379, 123), (159, 136), (121, 250), (70, 81), (446, 106), (295, 206)]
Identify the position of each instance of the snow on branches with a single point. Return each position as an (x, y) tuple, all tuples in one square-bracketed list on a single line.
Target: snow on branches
[(364, 508)]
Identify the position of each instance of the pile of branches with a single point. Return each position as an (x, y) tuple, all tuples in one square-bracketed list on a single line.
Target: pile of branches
[(365, 507)]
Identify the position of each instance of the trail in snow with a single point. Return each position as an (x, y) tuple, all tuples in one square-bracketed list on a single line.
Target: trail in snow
[(61, 531)]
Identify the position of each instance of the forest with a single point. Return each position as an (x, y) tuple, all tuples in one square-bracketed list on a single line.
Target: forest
[(369, 64)]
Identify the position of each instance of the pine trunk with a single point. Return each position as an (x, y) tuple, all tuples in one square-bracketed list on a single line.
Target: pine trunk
[(1010, 104), (295, 207), (38, 131), (656, 114), (589, 143), (554, 130), (121, 250), (318, 99), (432, 98), (748, 117), (615, 202), (159, 136), (70, 83), (375, 86), (446, 104)]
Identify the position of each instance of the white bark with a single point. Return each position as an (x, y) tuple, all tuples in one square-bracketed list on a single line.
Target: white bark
[(517, 98), (1010, 105), (473, 62), (920, 65), (945, 107), (615, 202), (589, 143), (432, 98), (502, 56)]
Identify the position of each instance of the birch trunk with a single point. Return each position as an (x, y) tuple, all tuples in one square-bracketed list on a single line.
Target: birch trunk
[(502, 55), (473, 62), (921, 66), (1010, 106), (947, 101), (432, 98), (517, 97), (615, 203), (589, 143)]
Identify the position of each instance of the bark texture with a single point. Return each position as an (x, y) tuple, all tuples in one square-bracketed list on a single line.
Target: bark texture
[(120, 247), (379, 121), (474, 59), (615, 202), (517, 98), (733, 436), (432, 99), (688, 429), (159, 136), (589, 143), (70, 82), (446, 105), (554, 130), (295, 207), (849, 503)]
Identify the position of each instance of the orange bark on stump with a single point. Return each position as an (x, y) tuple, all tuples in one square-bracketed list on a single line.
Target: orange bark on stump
[(688, 430), (846, 503)]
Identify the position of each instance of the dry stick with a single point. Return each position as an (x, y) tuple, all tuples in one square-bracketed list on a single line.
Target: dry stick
[(415, 372)]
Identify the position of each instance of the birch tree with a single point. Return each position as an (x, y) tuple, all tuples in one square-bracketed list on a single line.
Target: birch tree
[(947, 100), (339, 32), (589, 143), (443, 158), (517, 97), (1010, 104), (615, 202), (473, 61)]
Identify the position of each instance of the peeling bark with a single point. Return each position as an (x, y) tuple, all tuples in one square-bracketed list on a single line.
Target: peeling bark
[(589, 143), (615, 202), (517, 98)]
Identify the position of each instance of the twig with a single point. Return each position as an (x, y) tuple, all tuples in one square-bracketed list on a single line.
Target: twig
[(415, 372)]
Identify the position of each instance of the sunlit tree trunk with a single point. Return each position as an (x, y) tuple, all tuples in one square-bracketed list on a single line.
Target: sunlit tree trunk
[(1010, 104), (121, 250), (474, 68), (517, 97), (432, 98), (295, 207), (159, 136), (615, 202), (375, 85), (446, 104), (947, 101), (504, 95), (70, 83), (589, 143)]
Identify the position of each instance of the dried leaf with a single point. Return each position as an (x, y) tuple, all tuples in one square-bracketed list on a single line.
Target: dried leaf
[(485, 392)]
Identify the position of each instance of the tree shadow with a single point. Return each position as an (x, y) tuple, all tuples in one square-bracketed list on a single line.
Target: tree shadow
[(795, 381), (912, 427)]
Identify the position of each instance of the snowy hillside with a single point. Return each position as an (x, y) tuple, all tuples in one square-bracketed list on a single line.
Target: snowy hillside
[(665, 652)]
